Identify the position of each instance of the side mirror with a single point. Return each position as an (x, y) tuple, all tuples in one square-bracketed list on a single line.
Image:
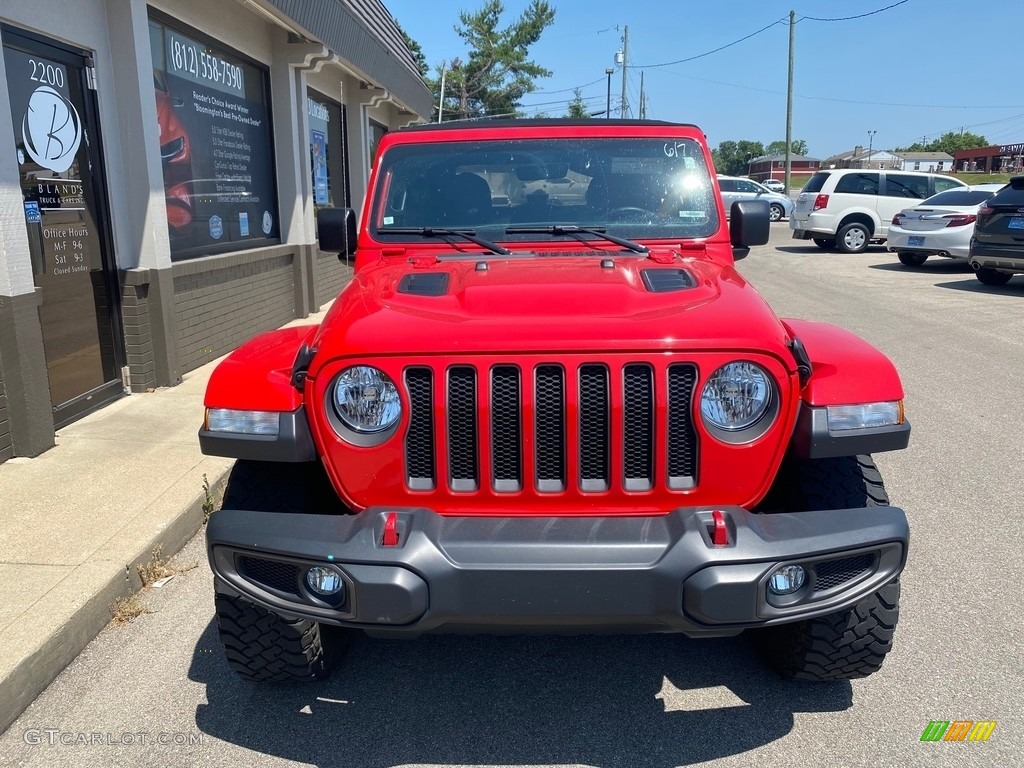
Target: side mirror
[(749, 224), (336, 231)]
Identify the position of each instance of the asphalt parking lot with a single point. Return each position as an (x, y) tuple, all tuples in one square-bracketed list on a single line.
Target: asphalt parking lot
[(628, 702)]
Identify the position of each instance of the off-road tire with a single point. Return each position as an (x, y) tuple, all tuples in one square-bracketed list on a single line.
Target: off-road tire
[(849, 644), (992, 277), (264, 647), (853, 237), (268, 486), (841, 646), (825, 243), (911, 259)]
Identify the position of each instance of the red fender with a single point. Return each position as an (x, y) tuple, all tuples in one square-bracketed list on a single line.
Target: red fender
[(258, 375), (846, 369)]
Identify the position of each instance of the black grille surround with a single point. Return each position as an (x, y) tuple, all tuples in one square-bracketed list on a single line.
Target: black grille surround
[(585, 427)]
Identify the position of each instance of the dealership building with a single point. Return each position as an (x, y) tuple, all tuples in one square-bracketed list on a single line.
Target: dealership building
[(164, 164)]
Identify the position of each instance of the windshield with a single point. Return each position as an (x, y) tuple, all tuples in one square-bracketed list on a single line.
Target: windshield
[(635, 188)]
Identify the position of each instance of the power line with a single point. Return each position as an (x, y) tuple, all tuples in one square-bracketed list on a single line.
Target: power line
[(850, 18), (708, 53), (849, 101)]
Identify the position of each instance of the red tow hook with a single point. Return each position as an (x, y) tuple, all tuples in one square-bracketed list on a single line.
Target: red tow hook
[(390, 537), (719, 530)]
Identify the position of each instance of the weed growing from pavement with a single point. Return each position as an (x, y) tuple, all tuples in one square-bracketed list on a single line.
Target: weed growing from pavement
[(158, 567), (125, 609), (211, 499)]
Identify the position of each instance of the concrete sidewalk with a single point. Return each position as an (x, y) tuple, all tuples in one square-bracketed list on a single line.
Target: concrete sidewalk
[(75, 522)]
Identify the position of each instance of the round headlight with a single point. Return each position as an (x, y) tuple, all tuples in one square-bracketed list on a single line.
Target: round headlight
[(736, 396), (366, 400)]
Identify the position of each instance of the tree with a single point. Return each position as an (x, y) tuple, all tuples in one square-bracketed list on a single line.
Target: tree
[(797, 147), (950, 143), (497, 73), (577, 109), (731, 157), (417, 54)]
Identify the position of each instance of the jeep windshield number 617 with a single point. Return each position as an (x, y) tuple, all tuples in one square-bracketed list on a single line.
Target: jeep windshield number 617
[(547, 401)]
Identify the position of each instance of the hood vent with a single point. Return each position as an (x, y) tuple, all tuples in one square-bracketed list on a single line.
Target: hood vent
[(667, 280), (425, 284)]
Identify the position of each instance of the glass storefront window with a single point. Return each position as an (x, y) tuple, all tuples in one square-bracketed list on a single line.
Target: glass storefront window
[(328, 161), (215, 144)]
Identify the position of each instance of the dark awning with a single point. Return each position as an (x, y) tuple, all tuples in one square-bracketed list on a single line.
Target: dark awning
[(364, 34)]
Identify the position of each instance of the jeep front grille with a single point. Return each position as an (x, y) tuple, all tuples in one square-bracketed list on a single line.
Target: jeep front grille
[(550, 428)]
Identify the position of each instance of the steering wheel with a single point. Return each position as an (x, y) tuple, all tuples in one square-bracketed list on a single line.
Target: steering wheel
[(631, 212)]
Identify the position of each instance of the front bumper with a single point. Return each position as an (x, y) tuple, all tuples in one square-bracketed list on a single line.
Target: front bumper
[(487, 574)]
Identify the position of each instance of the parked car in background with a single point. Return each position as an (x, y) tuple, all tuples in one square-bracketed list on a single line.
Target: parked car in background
[(849, 208), (942, 225), (997, 248), (735, 188), (774, 185)]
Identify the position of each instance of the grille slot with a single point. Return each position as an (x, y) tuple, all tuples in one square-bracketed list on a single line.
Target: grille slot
[(638, 432), (595, 435), (462, 441), (420, 466), (506, 429), (682, 438), (833, 573), (549, 426), (282, 577)]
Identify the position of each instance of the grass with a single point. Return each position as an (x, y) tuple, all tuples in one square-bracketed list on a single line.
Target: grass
[(157, 567), (127, 608)]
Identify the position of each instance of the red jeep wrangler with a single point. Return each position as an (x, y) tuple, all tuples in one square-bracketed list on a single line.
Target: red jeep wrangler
[(548, 402)]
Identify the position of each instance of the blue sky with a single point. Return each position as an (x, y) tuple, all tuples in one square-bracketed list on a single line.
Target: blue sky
[(915, 70)]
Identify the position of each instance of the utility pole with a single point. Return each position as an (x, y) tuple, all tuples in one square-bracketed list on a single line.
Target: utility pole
[(608, 100), (440, 104), (643, 98), (624, 106), (789, 102)]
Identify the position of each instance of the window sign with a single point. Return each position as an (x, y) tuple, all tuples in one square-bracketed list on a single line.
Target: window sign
[(215, 144), (326, 150)]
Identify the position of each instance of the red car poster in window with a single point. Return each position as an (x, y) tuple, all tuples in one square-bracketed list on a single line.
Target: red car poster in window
[(215, 146)]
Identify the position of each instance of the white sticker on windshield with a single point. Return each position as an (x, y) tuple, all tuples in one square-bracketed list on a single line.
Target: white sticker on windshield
[(689, 163), (389, 220)]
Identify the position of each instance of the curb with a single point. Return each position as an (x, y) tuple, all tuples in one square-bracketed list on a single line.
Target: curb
[(20, 685)]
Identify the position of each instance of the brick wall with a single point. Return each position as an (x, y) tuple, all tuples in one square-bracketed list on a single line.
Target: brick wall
[(6, 445), (222, 301), (332, 274), (138, 338)]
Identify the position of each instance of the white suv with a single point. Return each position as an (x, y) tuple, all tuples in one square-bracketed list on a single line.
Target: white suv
[(850, 208)]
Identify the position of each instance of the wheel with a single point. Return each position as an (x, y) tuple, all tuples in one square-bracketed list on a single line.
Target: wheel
[(911, 259), (775, 212), (268, 486), (264, 647), (853, 238), (992, 277), (259, 644), (825, 243), (848, 644)]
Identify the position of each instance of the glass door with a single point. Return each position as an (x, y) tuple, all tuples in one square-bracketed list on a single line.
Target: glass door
[(56, 140)]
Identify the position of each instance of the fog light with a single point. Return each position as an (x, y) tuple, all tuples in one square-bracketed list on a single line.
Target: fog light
[(324, 581), (786, 579)]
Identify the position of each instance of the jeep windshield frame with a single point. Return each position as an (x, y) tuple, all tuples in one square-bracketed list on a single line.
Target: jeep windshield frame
[(537, 189)]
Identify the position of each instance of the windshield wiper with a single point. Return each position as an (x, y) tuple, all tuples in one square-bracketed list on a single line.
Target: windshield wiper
[(447, 235), (577, 232)]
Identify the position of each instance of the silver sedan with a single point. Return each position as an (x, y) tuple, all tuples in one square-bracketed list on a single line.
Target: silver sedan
[(941, 225)]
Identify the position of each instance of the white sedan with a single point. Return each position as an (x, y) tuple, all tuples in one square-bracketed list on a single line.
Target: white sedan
[(773, 184), (941, 225)]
